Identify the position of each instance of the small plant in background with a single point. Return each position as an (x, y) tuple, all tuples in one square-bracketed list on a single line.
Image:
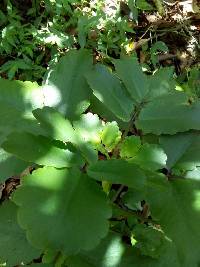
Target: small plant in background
[(52, 27)]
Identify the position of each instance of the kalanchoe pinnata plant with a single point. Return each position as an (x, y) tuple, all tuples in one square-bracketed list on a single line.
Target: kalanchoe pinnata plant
[(114, 159)]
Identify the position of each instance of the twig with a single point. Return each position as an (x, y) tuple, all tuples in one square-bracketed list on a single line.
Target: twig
[(115, 197)]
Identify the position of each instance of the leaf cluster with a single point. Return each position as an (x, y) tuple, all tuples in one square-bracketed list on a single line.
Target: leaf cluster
[(115, 163)]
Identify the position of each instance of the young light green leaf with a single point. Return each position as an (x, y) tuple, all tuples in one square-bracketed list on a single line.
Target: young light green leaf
[(110, 135), (67, 86), (40, 150), (62, 204), (169, 114), (118, 171), (14, 247), (130, 146), (132, 76), (108, 89), (144, 5)]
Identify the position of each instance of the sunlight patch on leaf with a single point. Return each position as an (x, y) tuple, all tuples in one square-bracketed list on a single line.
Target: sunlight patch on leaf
[(113, 253), (52, 95), (196, 203)]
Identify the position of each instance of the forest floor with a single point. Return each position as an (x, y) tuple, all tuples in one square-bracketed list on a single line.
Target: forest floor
[(34, 34)]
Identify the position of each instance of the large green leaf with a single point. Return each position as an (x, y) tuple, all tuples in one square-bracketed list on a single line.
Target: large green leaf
[(132, 76), (176, 208), (11, 119), (118, 171), (17, 100), (89, 127), (150, 157), (40, 150), (69, 211), (194, 174), (109, 90), (10, 165), (59, 128), (66, 87), (24, 96), (183, 150), (113, 252), (169, 114), (14, 247), (161, 83), (55, 124), (99, 108), (149, 240)]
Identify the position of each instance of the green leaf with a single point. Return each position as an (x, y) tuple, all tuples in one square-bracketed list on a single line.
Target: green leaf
[(118, 171), (130, 146), (150, 240), (143, 5), (183, 150), (60, 128), (87, 130), (150, 157), (103, 111), (132, 199), (161, 83), (89, 127), (175, 206), (17, 99), (110, 135), (62, 204), (173, 114), (108, 89), (194, 174), (12, 119), (40, 150), (55, 124), (10, 165), (113, 252), (56, 258), (108, 253), (41, 265), (49, 256), (14, 247), (24, 96), (66, 87), (130, 72), (175, 146)]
